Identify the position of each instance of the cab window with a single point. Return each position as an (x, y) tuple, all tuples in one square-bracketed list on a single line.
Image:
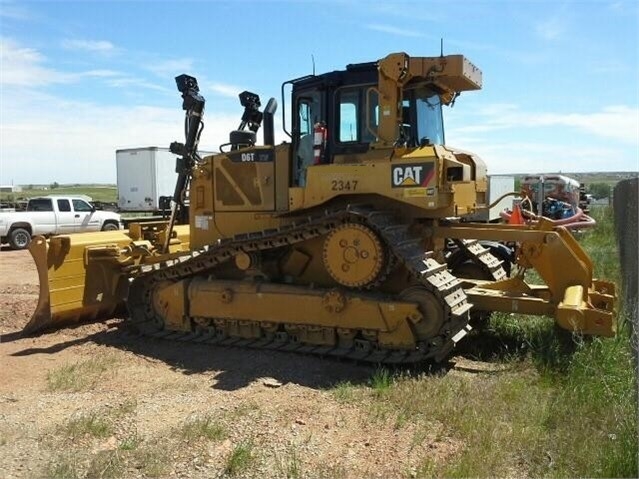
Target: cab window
[(64, 205), (40, 204), (309, 112), (81, 206), (358, 110), (348, 116)]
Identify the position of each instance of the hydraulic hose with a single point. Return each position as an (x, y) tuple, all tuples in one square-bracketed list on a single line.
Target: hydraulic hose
[(577, 221)]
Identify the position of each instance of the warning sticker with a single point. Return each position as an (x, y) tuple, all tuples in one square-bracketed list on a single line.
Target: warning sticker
[(202, 222), (415, 192)]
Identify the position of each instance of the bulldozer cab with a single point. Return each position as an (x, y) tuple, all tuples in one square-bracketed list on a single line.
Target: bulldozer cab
[(346, 104), (342, 116)]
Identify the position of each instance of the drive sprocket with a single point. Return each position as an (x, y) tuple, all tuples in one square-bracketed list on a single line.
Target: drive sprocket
[(353, 255)]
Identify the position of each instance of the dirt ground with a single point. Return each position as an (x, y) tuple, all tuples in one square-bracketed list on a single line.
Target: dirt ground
[(281, 407)]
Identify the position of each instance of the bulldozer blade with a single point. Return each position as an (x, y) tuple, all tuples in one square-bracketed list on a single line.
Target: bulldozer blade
[(81, 278)]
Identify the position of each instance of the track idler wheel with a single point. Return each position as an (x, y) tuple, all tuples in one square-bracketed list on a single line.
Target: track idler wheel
[(353, 255), (433, 314), (140, 303)]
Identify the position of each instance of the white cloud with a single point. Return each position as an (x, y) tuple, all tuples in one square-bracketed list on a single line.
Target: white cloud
[(530, 157), (511, 140), (550, 29), (101, 73), (76, 141), (134, 82), (168, 68), (26, 66), (224, 89), (12, 11), (615, 122), (95, 46), (402, 32)]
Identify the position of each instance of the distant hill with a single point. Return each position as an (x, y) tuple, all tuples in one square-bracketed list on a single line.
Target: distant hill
[(610, 177)]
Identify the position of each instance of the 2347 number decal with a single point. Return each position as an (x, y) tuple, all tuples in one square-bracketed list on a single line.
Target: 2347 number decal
[(341, 185)]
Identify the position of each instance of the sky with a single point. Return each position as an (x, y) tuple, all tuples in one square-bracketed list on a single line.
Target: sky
[(79, 80)]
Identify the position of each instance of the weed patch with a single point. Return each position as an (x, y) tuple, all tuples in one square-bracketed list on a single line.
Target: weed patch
[(130, 443), (153, 460), (202, 427), (381, 381), (240, 459), (62, 467), (82, 376), (127, 407), (332, 471), (290, 465), (91, 424), (106, 465), (344, 392)]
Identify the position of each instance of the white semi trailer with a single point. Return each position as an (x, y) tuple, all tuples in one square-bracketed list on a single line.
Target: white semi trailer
[(144, 175)]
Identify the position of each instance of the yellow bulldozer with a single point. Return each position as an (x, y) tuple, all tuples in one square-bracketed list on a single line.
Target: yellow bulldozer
[(353, 239)]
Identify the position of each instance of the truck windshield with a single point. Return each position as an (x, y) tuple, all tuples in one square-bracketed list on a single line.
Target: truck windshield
[(430, 124)]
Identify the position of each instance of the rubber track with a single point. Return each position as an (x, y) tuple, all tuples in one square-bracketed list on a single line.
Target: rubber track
[(482, 257), (405, 246)]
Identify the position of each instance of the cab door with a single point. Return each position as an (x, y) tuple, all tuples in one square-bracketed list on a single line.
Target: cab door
[(84, 217), (310, 112), (66, 217)]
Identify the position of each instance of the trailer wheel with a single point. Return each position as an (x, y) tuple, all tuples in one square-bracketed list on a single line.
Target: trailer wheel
[(19, 238), (110, 226)]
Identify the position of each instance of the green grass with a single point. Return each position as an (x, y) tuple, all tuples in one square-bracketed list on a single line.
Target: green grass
[(153, 459), (81, 376), (564, 406), (381, 381), (107, 193), (90, 424), (130, 443), (240, 460), (62, 467), (344, 392), (289, 466), (128, 406), (196, 427), (106, 465)]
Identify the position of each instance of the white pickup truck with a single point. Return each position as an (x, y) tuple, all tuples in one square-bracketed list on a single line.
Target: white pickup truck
[(52, 214)]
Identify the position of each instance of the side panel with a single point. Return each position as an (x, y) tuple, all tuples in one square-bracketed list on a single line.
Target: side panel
[(65, 216), (44, 222), (85, 219), (244, 180), (165, 175), (411, 179), (135, 179)]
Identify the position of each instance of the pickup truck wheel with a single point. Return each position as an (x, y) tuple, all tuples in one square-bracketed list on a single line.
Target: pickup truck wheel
[(110, 227), (19, 238)]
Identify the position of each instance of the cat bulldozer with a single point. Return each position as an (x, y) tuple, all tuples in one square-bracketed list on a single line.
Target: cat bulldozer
[(353, 239)]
